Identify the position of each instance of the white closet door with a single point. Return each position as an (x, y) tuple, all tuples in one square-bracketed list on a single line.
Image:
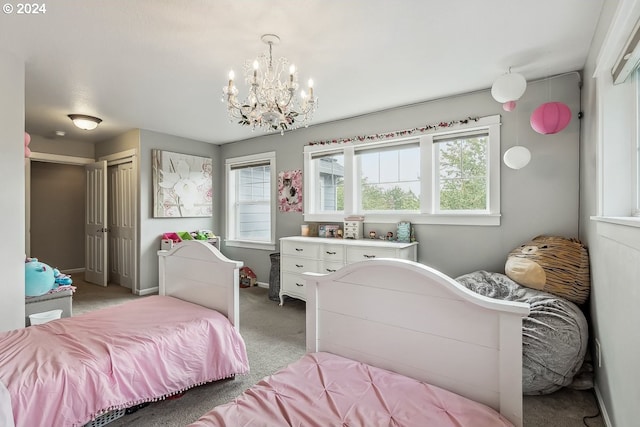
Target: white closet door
[(95, 227)]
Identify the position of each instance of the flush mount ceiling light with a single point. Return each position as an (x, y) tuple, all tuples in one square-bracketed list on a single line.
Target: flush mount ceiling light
[(271, 103), (85, 122)]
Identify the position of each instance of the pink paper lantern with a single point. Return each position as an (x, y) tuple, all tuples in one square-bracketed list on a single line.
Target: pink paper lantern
[(550, 117), (509, 106)]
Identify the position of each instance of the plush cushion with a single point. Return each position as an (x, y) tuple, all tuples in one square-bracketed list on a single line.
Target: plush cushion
[(552, 264), (554, 334)]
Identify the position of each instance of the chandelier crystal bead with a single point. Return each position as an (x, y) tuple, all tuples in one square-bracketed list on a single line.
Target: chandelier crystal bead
[(271, 103)]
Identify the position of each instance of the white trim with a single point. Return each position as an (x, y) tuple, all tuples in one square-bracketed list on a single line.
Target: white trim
[(119, 156), (603, 408), (59, 158), (415, 218), (250, 245), (147, 291), (622, 24)]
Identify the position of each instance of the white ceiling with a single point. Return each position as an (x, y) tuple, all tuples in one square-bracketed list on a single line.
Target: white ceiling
[(161, 64)]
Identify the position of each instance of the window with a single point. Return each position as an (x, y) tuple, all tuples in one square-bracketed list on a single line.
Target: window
[(250, 211), (450, 177), (389, 178), (462, 166)]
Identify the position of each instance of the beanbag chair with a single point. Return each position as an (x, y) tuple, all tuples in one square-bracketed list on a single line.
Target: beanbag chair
[(554, 335)]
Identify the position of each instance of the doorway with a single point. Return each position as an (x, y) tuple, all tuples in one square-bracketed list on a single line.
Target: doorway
[(120, 260)]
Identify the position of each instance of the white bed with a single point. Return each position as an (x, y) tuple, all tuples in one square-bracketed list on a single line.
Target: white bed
[(69, 371), (402, 317), (198, 272)]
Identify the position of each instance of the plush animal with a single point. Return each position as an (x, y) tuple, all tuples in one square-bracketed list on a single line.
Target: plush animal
[(39, 278), (553, 264), (61, 279)]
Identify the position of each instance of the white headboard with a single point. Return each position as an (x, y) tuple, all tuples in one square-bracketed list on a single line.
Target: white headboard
[(197, 272), (411, 319)]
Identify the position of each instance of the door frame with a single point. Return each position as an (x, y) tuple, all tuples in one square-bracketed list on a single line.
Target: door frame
[(47, 158), (112, 159)]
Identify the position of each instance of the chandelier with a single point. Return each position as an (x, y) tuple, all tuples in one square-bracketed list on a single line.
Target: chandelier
[(272, 103)]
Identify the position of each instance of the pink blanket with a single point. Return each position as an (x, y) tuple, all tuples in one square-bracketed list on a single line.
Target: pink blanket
[(66, 372), (322, 389)]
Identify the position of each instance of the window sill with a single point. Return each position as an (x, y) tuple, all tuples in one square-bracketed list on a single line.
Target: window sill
[(624, 230), (437, 219), (629, 221), (250, 245)]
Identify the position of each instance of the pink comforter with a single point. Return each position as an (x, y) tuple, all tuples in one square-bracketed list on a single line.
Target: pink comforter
[(322, 389), (66, 372)]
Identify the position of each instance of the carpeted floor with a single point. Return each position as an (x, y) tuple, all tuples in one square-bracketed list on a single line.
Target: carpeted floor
[(275, 336)]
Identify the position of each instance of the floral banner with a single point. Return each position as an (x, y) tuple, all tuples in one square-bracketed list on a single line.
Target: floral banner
[(182, 185), (396, 134), (290, 191)]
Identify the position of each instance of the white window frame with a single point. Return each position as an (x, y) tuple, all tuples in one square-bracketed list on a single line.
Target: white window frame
[(234, 162), (428, 213), (617, 168)]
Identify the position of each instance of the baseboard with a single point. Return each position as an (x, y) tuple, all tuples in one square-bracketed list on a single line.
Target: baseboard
[(72, 270), (143, 292), (262, 285), (603, 409)]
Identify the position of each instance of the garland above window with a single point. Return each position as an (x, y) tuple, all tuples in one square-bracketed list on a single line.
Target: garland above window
[(395, 134)]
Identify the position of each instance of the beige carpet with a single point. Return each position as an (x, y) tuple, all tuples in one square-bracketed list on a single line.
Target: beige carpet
[(275, 337)]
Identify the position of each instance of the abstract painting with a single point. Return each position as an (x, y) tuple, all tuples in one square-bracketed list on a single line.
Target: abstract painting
[(182, 185)]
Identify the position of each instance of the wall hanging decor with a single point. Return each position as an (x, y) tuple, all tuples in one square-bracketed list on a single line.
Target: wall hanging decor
[(182, 185), (290, 191), (550, 118), (508, 88), (517, 157)]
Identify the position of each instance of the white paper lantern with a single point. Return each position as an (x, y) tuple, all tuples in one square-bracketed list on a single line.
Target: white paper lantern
[(508, 87), (517, 157)]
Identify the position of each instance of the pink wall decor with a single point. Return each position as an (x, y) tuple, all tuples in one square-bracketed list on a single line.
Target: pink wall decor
[(290, 191), (509, 106), (550, 117), (27, 140)]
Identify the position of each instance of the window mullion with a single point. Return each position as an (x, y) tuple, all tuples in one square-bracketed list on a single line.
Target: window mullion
[(351, 189)]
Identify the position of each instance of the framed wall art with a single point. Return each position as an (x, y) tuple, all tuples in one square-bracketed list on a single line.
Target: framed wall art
[(182, 185), (290, 191)]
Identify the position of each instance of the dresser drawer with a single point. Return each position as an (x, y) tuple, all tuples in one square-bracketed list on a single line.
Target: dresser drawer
[(331, 267), (300, 249), (355, 254), (332, 253), (299, 265), (292, 284)]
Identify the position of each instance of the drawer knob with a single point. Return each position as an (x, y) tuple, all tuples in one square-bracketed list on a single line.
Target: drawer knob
[(368, 256), (330, 270), (299, 249), (299, 284), (299, 265), (330, 253)]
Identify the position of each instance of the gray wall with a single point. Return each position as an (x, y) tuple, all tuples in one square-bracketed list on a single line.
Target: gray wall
[(62, 146), (542, 198), (57, 214), (152, 228), (615, 264)]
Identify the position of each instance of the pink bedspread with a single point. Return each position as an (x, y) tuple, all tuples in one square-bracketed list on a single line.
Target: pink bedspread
[(66, 372), (322, 389)]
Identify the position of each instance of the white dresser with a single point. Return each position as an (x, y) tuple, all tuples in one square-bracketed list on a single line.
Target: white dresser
[(322, 255)]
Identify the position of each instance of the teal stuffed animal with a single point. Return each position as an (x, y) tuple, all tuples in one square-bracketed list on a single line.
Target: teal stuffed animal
[(39, 278)]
